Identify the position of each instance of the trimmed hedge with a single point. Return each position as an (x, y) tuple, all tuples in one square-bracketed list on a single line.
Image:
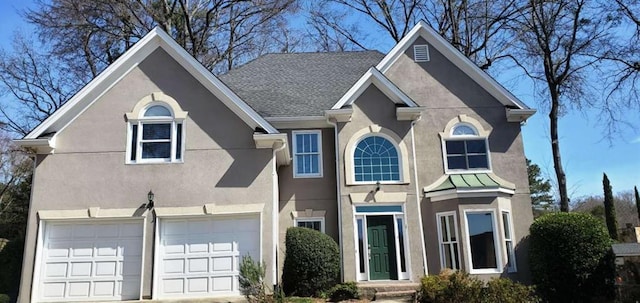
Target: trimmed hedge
[(10, 267), (571, 259), (343, 292), (311, 264)]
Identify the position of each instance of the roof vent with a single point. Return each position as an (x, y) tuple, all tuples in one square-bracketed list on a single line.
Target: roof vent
[(421, 53)]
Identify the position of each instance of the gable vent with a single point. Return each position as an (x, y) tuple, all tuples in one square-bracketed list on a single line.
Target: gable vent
[(421, 53)]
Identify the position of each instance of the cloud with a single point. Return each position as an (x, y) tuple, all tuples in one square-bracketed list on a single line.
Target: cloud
[(635, 141)]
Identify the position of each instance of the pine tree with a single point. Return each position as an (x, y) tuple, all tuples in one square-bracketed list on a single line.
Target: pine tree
[(539, 187), (609, 208)]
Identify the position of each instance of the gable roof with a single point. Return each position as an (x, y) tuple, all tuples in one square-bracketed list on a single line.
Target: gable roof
[(156, 38), (422, 29), (375, 77), (299, 84)]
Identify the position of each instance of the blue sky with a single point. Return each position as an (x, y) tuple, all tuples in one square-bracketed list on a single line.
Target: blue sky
[(586, 155)]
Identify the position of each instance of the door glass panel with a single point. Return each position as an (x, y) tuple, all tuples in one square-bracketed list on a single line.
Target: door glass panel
[(403, 265), (361, 249)]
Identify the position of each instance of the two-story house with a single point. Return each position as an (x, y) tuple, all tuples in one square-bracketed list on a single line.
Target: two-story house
[(157, 177)]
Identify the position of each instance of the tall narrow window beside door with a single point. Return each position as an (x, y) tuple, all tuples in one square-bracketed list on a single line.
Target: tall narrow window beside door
[(307, 153)]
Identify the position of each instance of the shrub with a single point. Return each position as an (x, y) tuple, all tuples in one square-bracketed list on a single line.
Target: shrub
[(311, 264), (4, 298), (251, 279), (459, 287), (507, 291), (450, 287), (344, 291), (570, 257)]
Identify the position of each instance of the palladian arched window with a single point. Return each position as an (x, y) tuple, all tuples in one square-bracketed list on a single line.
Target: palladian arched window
[(466, 149), (376, 159)]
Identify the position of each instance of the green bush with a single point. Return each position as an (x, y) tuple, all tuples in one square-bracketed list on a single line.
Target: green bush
[(10, 267), (344, 291), (570, 257), (507, 291), (459, 287), (311, 264), (4, 298), (251, 279), (450, 287)]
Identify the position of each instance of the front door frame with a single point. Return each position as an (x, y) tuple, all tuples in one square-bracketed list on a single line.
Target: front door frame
[(397, 215)]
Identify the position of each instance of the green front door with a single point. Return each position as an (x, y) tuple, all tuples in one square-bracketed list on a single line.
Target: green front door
[(382, 248)]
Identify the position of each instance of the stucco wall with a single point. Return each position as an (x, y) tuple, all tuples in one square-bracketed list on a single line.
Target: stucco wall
[(221, 164), (446, 92), (300, 194)]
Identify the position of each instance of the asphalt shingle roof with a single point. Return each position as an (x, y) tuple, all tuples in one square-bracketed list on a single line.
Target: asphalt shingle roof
[(298, 84)]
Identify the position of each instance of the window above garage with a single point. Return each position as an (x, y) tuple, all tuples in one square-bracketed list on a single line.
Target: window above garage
[(156, 131)]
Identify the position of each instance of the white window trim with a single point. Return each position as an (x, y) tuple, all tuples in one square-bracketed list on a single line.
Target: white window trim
[(447, 135), (441, 244), (141, 120), (310, 219), (398, 151), (496, 243), (295, 153), (513, 268)]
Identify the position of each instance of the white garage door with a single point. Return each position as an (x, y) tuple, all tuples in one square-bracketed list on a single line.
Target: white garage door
[(84, 261), (200, 257)]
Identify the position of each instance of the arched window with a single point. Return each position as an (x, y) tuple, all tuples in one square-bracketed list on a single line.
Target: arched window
[(376, 159), (466, 149)]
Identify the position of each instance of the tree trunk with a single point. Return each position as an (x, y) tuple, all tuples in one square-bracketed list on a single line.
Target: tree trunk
[(555, 148)]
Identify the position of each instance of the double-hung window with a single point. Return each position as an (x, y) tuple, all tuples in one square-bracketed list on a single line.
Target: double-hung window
[(508, 241), (156, 136), (466, 150), (307, 153), (448, 238), (482, 242)]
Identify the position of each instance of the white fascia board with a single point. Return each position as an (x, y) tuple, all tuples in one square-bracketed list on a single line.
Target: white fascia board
[(467, 193), (375, 77), (519, 115), (456, 57), (299, 122), (129, 60), (41, 145), (213, 84)]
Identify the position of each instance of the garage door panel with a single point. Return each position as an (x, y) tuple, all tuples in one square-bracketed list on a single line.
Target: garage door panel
[(210, 253), (91, 261)]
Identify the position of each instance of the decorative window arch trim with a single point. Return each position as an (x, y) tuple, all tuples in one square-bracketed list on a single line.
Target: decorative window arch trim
[(482, 134), (172, 137), (376, 130), (464, 119), (156, 98)]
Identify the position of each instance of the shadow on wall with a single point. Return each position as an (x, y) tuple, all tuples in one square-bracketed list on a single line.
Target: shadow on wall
[(522, 263), (214, 118)]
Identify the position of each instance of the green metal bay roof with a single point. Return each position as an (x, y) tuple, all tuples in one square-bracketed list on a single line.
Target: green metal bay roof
[(469, 181)]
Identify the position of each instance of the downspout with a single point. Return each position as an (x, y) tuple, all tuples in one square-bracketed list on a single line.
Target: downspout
[(339, 194), (418, 195), (275, 215)]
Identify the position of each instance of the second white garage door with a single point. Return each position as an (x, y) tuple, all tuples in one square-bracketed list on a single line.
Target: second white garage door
[(200, 257)]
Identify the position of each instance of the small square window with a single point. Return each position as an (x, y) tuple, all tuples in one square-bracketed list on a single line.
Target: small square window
[(307, 153)]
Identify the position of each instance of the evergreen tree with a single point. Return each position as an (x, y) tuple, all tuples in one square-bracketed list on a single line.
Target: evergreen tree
[(539, 187), (609, 208)]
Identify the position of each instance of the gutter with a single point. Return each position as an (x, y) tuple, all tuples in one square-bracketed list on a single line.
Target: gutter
[(339, 194), (418, 195), (275, 215)]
